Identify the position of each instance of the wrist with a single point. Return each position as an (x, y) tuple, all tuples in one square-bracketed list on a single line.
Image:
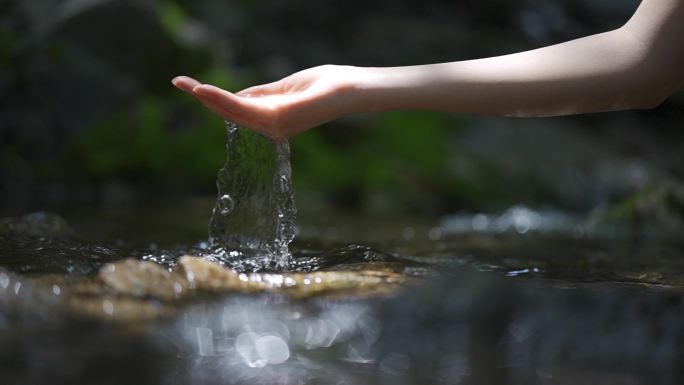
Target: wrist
[(390, 88), (369, 89)]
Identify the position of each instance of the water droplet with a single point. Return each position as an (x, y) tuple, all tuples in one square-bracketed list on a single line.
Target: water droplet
[(480, 222), (108, 307), (4, 280), (226, 204), (232, 127), (245, 345), (284, 183), (272, 349), (177, 288), (435, 234), (515, 273)]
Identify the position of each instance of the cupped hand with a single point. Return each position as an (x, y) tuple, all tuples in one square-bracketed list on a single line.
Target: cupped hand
[(284, 108)]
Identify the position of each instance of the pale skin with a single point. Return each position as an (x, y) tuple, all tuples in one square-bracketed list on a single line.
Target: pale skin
[(636, 66)]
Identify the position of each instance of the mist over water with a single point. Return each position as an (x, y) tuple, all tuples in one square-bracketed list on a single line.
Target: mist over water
[(254, 215)]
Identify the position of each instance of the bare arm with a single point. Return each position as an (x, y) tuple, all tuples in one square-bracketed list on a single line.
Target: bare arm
[(635, 66)]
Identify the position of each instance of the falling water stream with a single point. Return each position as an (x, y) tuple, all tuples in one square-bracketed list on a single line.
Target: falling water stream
[(254, 215)]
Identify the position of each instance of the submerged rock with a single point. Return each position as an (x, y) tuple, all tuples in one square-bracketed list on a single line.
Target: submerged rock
[(194, 274), (205, 275), (141, 279), (38, 224), (43, 243)]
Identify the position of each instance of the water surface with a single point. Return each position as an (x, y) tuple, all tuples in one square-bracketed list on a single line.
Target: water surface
[(518, 297)]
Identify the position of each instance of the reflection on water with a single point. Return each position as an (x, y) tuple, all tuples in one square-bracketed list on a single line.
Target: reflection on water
[(518, 219), (517, 298), (267, 340), (458, 327)]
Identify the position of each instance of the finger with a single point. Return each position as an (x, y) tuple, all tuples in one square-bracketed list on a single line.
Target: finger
[(262, 90), (220, 109), (227, 99), (185, 83), (242, 116), (215, 93), (239, 116)]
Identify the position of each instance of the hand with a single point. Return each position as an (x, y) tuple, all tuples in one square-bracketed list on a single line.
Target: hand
[(284, 108)]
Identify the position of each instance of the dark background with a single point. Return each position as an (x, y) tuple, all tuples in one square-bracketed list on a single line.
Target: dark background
[(88, 117)]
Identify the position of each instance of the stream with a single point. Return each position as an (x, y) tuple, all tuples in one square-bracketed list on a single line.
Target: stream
[(519, 297)]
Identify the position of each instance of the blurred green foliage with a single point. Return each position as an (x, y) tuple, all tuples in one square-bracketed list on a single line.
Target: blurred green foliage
[(396, 146), (147, 142), (86, 100)]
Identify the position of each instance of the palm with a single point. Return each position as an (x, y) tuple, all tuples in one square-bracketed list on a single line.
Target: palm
[(280, 109)]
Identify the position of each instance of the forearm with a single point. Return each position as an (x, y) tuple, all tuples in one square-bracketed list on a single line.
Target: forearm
[(601, 72)]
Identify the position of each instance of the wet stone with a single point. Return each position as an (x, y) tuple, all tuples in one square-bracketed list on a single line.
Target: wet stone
[(194, 275), (38, 224), (140, 279), (205, 275)]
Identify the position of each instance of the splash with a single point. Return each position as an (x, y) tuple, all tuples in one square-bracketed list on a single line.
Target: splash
[(254, 215)]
